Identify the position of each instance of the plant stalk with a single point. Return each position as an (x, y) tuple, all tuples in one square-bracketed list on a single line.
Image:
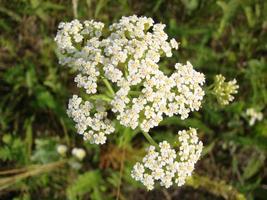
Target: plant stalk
[(150, 139)]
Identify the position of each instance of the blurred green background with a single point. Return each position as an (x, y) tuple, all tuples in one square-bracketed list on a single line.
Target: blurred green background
[(218, 37)]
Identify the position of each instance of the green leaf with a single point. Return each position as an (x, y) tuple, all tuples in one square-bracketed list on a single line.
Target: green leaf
[(7, 138), (253, 167), (45, 98), (45, 151), (229, 10), (100, 5), (257, 141), (208, 148), (31, 79), (10, 13), (29, 137), (196, 123), (88, 182), (5, 154)]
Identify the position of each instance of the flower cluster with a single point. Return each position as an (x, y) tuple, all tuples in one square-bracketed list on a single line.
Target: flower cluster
[(253, 116), (166, 166), (91, 119), (125, 58), (161, 95), (224, 90)]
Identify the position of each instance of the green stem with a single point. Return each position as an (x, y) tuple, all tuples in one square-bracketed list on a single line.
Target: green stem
[(209, 89), (30, 171), (109, 87), (150, 139), (135, 93), (101, 97)]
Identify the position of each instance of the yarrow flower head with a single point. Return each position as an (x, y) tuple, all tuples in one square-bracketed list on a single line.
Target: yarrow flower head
[(78, 153), (62, 149), (167, 166), (253, 116), (224, 90), (90, 116), (125, 59)]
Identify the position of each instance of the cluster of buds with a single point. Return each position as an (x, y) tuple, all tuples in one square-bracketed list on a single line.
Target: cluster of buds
[(223, 90)]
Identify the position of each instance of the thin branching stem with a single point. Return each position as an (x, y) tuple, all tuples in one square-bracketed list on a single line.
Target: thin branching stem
[(150, 139), (109, 87)]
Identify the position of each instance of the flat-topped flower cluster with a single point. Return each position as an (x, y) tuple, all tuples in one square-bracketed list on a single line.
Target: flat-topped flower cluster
[(90, 116), (167, 166), (126, 59), (119, 70)]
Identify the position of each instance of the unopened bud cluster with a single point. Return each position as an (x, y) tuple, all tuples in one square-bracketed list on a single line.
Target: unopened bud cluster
[(223, 90)]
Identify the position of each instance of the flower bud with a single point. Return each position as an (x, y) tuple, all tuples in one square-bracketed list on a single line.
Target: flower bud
[(224, 90), (78, 153), (62, 149)]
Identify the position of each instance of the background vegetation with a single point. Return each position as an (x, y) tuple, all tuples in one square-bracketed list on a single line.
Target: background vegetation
[(227, 37)]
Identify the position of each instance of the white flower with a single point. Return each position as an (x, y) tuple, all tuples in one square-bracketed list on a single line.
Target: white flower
[(253, 116), (138, 171), (62, 149), (91, 120), (168, 166), (148, 181), (174, 44), (78, 153), (126, 62)]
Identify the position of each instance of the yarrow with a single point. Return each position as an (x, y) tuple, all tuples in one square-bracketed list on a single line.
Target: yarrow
[(78, 153), (167, 166), (125, 59), (87, 115), (62, 149), (253, 116), (224, 90)]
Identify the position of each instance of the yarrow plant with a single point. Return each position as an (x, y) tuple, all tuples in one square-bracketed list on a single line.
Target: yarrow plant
[(78, 153), (118, 68), (62, 149)]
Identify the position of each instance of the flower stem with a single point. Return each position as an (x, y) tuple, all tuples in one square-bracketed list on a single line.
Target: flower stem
[(135, 93), (150, 139), (109, 87), (30, 171), (101, 96)]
